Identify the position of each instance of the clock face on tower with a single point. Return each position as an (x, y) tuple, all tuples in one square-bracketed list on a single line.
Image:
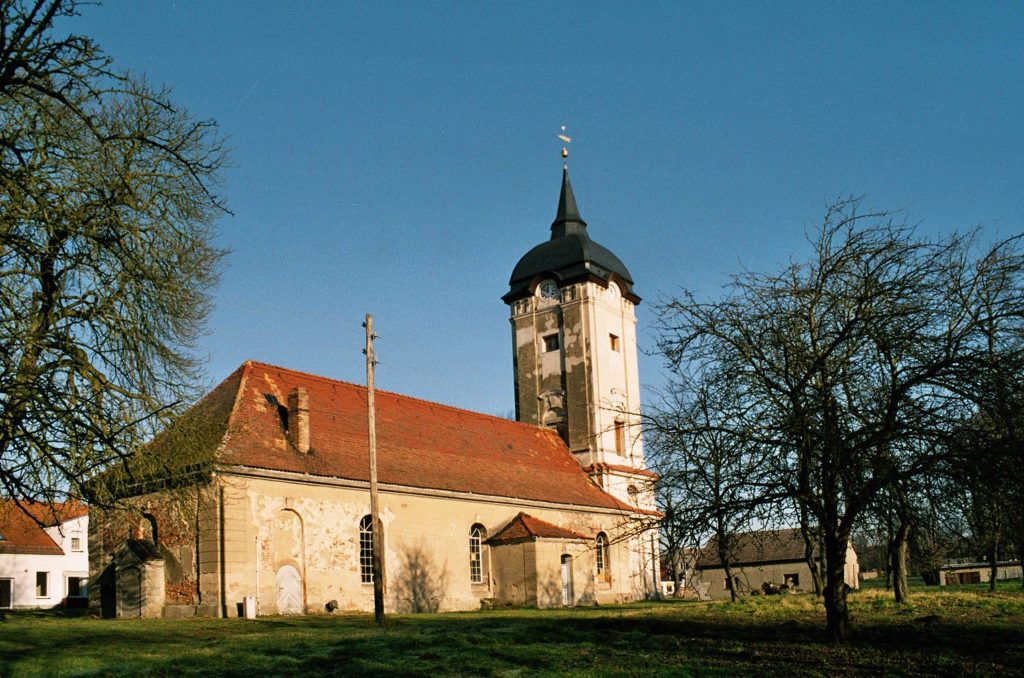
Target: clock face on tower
[(549, 290)]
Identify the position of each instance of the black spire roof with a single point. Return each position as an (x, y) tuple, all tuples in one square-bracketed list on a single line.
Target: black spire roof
[(569, 256), (567, 219)]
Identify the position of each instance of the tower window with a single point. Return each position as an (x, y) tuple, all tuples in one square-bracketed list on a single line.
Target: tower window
[(551, 342), (613, 341), (620, 437)]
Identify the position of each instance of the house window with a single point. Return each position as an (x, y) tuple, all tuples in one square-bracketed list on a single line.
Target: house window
[(613, 341), (729, 583), (78, 587), (550, 342), (603, 562), (76, 543), (366, 550), (620, 437), (477, 534), (792, 579), (42, 584)]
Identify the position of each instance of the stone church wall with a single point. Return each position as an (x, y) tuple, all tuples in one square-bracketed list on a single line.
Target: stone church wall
[(294, 546)]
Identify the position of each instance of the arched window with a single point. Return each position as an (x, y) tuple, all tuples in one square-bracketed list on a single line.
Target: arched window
[(477, 534), (603, 561), (366, 550)]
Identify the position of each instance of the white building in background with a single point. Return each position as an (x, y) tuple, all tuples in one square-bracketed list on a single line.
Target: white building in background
[(43, 566)]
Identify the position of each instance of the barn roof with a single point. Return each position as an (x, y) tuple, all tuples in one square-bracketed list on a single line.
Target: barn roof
[(420, 444), (748, 548)]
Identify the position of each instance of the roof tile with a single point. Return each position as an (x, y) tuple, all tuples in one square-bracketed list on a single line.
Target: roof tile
[(419, 443), (21, 533), (768, 546), (524, 526)]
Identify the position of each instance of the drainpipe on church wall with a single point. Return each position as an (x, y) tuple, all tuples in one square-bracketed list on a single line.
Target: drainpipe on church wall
[(222, 604), (256, 543)]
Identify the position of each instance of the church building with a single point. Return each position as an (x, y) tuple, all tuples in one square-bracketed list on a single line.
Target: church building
[(265, 505)]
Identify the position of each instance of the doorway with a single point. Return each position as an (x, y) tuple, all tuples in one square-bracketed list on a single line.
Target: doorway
[(567, 596), (6, 593), (289, 590)]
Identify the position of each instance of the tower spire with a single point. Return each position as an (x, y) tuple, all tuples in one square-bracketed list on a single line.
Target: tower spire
[(567, 218)]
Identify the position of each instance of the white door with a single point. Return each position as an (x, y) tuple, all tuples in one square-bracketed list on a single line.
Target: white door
[(289, 590), (567, 598)]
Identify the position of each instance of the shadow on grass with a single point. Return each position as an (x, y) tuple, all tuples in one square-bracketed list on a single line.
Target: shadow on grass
[(668, 639)]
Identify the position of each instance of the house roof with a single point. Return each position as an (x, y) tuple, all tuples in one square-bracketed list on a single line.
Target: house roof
[(419, 443), (23, 533), (524, 526), (748, 548), (58, 512)]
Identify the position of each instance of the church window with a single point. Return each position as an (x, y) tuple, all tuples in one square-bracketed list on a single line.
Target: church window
[(620, 437), (366, 550), (602, 557), (477, 534), (550, 342), (613, 341)]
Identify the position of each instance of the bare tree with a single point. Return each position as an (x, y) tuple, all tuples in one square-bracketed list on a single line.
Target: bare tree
[(107, 199), (811, 536), (844, 368), (677, 534), (714, 481)]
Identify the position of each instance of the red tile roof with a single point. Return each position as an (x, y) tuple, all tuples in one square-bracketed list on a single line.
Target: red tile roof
[(20, 533), (58, 512), (525, 526), (419, 443), (770, 546)]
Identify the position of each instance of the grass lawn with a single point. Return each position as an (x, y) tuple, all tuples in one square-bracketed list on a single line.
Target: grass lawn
[(954, 632)]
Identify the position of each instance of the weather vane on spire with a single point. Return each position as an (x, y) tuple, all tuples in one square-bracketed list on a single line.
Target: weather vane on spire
[(565, 140)]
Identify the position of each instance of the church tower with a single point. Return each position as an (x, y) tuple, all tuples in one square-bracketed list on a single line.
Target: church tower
[(575, 352)]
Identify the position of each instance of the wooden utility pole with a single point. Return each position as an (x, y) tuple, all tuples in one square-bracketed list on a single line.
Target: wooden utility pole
[(377, 534)]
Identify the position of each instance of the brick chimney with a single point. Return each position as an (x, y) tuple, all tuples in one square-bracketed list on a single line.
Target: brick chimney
[(298, 418)]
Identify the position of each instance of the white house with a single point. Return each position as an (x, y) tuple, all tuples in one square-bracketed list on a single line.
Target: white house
[(47, 565)]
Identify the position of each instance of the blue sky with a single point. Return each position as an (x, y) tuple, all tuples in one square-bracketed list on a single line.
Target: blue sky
[(398, 158)]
